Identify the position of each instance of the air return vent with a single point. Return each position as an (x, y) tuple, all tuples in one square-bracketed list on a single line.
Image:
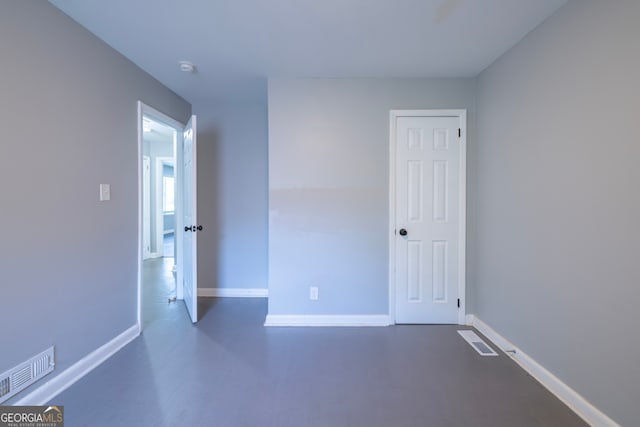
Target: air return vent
[(477, 343), (22, 376)]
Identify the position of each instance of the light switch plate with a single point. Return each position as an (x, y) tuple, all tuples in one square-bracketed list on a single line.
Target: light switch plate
[(105, 192)]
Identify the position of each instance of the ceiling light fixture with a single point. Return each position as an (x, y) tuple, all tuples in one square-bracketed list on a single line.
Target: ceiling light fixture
[(187, 67)]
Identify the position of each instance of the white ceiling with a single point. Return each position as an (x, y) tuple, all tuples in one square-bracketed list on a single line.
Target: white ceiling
[(156, 131), (237, 44)]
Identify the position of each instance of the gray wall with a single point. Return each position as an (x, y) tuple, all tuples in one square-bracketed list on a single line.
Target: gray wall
[(69, 118), (232, 194), (328, 187), (558, 202)]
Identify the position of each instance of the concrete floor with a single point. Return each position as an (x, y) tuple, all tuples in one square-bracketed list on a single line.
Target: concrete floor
[(229, 370)]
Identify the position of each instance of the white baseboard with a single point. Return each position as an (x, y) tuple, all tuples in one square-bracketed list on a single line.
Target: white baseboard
[(592, 415), (469, 319), (234, 292), (49, 390), (327, 320)]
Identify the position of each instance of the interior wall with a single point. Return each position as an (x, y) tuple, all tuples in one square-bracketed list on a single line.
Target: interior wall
[(69, 117), (329, 187), (557, 200), (168, 219), (233, 194), (158, 147)]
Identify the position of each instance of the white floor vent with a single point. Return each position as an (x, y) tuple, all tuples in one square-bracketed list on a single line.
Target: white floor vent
[(477, 343), (22, 376)]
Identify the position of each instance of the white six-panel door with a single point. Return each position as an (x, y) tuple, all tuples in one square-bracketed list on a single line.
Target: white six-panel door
[(427, 232), (189, 213)]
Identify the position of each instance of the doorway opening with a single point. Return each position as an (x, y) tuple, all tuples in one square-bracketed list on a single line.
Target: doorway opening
[(158, 220), (165, 197), (159, 189)]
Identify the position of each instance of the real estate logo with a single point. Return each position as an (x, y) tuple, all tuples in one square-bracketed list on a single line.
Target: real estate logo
[(31, 416)]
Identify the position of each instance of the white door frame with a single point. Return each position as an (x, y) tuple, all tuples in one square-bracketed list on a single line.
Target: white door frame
[(146, 110), (146, 208), (462, 116)]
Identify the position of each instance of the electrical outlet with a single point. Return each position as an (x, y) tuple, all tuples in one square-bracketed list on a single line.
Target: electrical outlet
[(313, 293)]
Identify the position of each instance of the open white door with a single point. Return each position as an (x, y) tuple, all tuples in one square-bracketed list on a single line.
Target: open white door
[(189, 214)]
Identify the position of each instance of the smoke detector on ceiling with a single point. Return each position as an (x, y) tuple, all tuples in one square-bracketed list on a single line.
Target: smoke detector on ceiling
[(187, 67)]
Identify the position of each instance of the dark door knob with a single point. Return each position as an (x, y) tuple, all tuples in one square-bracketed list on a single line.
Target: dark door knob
[(187, 228), (199, 228), (403, 232)]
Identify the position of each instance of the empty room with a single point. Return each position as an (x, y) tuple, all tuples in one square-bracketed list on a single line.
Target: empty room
[(337, 213)]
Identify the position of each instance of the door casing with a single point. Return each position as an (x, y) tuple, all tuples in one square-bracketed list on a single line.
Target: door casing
[(462, 116), (146, 207)]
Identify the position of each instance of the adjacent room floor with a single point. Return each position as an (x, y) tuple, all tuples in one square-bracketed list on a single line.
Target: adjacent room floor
[(229, 370)]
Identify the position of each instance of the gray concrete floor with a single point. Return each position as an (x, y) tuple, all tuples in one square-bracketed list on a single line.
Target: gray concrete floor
[(229, 370)]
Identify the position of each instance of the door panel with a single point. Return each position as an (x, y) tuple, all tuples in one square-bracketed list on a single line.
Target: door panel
[(189, 212), (427, 196)]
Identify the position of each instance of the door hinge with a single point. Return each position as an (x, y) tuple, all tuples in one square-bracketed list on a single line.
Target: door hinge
[(459, 133), (458, 302)]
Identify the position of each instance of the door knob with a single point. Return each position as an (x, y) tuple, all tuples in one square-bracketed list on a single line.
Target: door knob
[(187, 228), (403, 232), (199, 228)]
